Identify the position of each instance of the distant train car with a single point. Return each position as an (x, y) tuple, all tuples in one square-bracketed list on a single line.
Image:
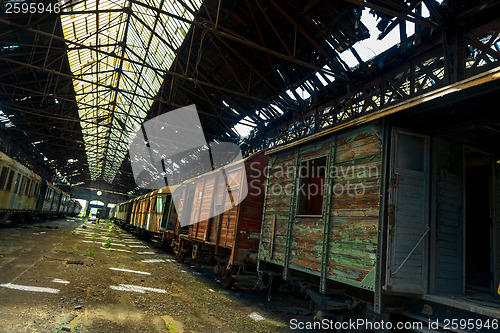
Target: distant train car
[(77, 207), (74, 207), (19, 189), (64, 203), (123, 213), (24, 194), (148, 214), (112, 212), (50, 197)]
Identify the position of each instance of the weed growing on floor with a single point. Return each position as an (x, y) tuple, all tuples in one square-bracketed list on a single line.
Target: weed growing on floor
[(58, 328), (93, 238), (108, 243), (78, 328), (110, 228), (89, 253), (72, 251)]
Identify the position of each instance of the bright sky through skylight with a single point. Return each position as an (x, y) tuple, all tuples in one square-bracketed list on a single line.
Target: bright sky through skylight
[(367, 49), (371, 47)]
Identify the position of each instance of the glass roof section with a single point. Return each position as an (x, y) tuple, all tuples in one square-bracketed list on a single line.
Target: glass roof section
[(117, 51)]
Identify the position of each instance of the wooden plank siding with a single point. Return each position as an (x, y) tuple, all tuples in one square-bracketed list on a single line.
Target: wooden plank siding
[(307, 232), (277, 208), (354, 214), (237, 228), (250, 213), (353, 228)]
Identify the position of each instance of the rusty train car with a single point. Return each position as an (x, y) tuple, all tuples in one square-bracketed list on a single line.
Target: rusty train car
[(231, 239)]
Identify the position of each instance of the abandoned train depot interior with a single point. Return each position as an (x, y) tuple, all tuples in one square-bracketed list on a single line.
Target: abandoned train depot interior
[(249, 166)]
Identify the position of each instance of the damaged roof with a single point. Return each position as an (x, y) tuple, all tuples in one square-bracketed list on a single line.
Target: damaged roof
[(77, 84)]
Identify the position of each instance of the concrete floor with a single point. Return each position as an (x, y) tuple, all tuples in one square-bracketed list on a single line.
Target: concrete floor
[(60, 275)]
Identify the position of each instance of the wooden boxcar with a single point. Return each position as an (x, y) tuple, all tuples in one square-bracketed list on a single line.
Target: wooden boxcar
[(147, 215), (322, 206), (399, 209), (232, 237)]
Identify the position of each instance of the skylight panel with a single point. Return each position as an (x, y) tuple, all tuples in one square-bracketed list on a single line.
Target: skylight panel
[(303, 93), (118, 69), (321, 79), (243, 128)]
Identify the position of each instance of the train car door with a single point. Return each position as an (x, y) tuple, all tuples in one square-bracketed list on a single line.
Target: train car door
[(408, 229), (479, 222)]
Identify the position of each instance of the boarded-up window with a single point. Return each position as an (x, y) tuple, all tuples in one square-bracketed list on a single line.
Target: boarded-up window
[(312, 175), (3, 176)]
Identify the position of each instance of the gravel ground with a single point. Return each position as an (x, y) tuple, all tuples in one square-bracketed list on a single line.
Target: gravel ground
[(95, 278)]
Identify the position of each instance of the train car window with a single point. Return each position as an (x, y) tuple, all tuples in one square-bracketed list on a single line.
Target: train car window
[(28, 187), (23, 184), (3, 176), (311, 189), (16, 183), (33, 188), (9, 182)]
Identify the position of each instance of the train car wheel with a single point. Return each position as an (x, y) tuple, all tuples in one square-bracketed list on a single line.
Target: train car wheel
[(194, 252)]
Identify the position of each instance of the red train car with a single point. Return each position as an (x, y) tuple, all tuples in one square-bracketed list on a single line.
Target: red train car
[(232, 237)]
